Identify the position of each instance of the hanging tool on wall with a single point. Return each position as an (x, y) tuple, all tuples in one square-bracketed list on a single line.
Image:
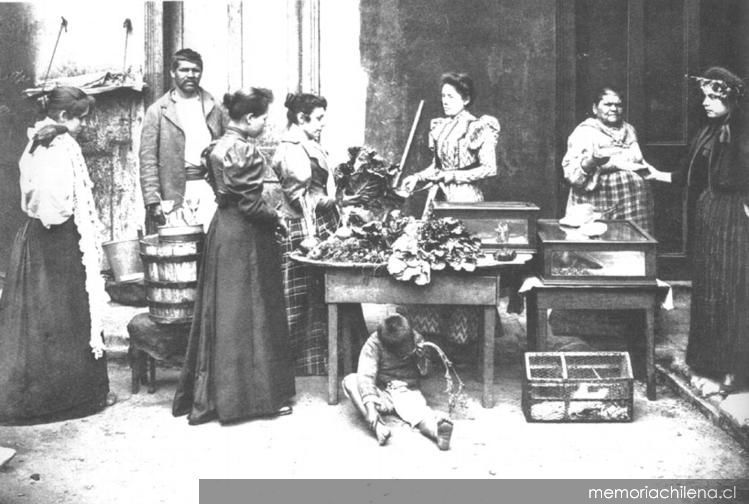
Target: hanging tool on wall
[(128, 26), (63, 26)]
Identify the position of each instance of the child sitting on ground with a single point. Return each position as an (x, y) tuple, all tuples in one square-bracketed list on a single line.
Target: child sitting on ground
[(391, 364)]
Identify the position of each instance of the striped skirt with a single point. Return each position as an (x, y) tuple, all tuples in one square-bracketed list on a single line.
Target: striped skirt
[(719, 332)]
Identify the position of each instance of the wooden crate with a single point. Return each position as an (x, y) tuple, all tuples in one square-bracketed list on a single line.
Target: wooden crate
[(578, 387)]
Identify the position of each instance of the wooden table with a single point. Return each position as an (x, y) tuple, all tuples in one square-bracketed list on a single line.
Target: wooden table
[(357, 286), (630, 296)]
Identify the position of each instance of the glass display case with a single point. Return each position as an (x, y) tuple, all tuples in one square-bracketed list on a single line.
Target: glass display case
[(499, 224), (615, 251)]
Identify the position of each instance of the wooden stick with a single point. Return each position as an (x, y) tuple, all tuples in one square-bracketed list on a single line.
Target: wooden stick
[(128, 26), (417, 117), (63, 26), (431, 195)]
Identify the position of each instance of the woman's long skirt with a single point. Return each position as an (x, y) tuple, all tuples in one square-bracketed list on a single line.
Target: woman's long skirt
[(47, 370), (719, 331), (238, 363)]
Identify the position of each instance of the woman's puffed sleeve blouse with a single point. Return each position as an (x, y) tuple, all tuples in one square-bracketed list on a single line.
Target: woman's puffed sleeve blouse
[(239, 169), (465, 146)]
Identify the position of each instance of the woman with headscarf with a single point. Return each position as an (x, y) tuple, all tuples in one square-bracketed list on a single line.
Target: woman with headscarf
[(717, 197), (52, 363)]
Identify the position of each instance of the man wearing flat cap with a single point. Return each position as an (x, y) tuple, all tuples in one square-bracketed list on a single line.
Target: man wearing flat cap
[(176, 129)]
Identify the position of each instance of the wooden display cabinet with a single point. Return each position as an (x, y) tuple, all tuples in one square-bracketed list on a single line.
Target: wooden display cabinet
[(499, 224), (623, 253)]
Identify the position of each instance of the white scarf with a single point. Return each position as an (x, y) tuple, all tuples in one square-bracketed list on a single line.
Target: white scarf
[(84, 213)]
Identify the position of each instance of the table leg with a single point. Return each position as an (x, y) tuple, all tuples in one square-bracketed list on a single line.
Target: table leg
[(650, 351), (531, 331), (542, 329), (487, 399), (346, 342), (332, 353)]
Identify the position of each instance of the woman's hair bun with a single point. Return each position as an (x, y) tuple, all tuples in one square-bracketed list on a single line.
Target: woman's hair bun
[(289, 101), (43, 101), (228, 97)]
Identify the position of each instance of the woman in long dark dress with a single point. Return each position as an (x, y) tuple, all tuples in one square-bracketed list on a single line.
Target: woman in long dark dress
[(239, 363), (52, 364), (717, 179)]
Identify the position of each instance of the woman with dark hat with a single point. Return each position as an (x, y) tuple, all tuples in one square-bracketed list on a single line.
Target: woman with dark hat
[(52, 363), (238, 363), (717, 182)]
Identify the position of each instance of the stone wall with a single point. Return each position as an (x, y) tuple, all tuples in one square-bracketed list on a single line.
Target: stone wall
[(109, 143), (110, 146)]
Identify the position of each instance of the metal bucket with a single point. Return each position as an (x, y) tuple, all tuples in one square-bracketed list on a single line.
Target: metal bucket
[(124, 259), (171, 269)]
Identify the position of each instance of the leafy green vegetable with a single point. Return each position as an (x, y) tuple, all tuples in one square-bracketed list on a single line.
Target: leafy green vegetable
[(366, 180), (411, 248)]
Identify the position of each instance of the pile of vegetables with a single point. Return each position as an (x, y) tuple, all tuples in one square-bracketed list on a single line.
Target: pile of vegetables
[(411, 248), (367, 180), (361, 242), (433, 245)]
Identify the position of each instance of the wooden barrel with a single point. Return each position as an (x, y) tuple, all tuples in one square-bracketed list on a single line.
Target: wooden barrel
[(171, 276)]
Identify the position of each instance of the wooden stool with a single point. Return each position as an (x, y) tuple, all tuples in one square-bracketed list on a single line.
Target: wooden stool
[(595, 297), (150, 342)]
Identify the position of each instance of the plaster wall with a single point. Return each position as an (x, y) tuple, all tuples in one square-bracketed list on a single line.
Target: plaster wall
[(17, 35), (507, 47)]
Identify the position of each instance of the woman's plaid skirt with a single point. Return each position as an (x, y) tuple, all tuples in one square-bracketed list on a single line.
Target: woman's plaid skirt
[(304, 293), (620, 194)]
